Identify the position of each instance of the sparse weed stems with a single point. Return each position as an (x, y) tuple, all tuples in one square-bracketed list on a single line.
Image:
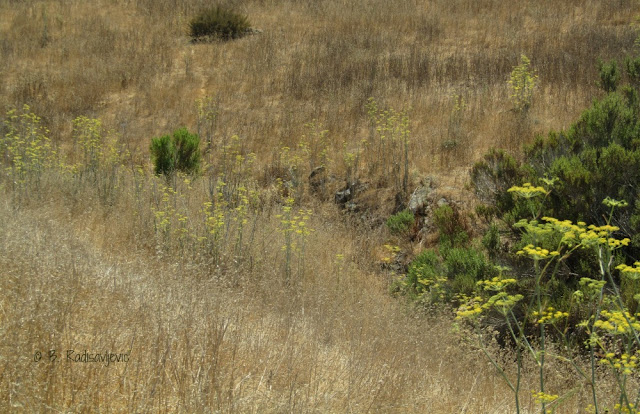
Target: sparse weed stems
[(314, 145), (291, 163), (213, 213), (386, 152), (233, 167), (102, 157), (26, 151), (294, 227), (207, 112)]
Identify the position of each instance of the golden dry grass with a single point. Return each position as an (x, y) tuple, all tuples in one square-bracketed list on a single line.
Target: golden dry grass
[(240, 342), (131, 64), (84, 274)]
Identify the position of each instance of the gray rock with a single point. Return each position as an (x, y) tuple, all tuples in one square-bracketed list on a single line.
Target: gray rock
[(420, 197), (343, 196)]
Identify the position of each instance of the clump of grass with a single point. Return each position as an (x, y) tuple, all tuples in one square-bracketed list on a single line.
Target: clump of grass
[(180, 152)]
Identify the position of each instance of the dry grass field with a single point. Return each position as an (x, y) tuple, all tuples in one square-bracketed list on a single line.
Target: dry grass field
[(233, 310)]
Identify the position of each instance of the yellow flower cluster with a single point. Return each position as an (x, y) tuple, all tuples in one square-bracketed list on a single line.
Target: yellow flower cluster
[(572, 234), (610, 202), (537, 253), (434, 283), (599, 235), (616, 323), (626, 364), (632, 273), (542, 397), (592, 284), (503, 300), (471, 308), (624, 409), (528, 191), (393, 251), (549, 316), (495, 284)]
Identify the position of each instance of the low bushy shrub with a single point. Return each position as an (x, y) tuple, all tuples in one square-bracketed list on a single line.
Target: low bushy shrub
[(423, 272), (465, 267), (441, 276), (401, 222), (177, 152), (218, 23), (609, 75)]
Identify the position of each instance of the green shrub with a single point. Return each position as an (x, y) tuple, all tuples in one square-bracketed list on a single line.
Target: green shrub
[(492, 177), (452, 227), (187, 151), (464, 267), (218, 23), (401, 222), (633, 70), (423, 271), (180, 152), (597, 157), (456, 272), (491, 239), (163, 152), (609, 75)]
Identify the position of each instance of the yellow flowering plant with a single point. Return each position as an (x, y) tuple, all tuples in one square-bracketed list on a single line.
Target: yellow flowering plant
[(552, 242)]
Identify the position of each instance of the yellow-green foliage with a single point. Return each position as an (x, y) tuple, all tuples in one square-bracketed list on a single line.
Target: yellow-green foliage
[(25, 148), (87, 134), (102, 156), (522, 82), (233, 169), (387, 150), (314, 145), (608, 324), (294, 227)]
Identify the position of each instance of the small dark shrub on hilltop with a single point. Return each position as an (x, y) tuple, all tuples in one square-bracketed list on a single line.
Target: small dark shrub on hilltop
[(218, 23)]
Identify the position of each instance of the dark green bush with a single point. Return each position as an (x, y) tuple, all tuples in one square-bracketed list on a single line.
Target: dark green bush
[(597, 157), (465, 267), (401, 222), (491, 239), (633, 70), (179, 152), (492, 177), (187, 151), (218, 23), (163, 152), (609, 75)]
